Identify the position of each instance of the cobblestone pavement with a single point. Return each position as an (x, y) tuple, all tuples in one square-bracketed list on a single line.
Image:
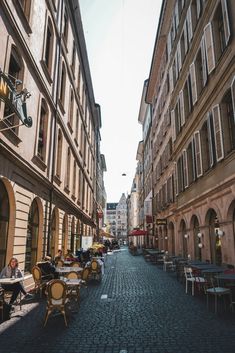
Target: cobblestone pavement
[(147, 311)]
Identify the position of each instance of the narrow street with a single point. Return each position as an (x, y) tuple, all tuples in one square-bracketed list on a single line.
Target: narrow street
[(146, 311)]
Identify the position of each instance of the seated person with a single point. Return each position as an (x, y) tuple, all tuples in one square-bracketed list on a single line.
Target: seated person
[(69, 255), (58, 257), (12, 271), (47, 268)]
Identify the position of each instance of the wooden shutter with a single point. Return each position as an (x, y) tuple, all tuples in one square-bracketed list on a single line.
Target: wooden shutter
[(225, 20), (198, 153), (233, 96), (204, 66), (182, 112), (189, 23), (185, 37), (193, 160), (171, 79), (185, 168), (210, 140), (219, 148), (179, 56), (173, 125), (209, 44), (193, 82)]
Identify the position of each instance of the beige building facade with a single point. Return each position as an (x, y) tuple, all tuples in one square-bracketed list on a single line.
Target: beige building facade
[(192, 92), (48, 171)]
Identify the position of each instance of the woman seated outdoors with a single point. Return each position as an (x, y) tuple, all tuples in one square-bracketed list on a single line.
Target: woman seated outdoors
[(12, 271)]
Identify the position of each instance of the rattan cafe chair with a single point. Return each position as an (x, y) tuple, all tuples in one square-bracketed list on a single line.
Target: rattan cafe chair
[(56, 298), (39, 282), (73, 291)]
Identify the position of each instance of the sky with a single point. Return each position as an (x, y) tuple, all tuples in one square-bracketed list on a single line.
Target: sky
[(120, 36)]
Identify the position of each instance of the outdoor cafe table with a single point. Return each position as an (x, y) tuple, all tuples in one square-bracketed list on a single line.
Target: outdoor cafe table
[(11, 280), (64, 270), (68, 262), (226, 277), (212, 270), (202, 267)]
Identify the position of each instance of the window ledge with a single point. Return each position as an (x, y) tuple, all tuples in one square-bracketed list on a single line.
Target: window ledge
[(10, 135), (61, 106), (39, 162), (22, 16), (46, 71), (57, 180)]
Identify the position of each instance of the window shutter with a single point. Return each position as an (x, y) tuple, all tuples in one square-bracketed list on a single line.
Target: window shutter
[(198, 8), (219, 148), (198, 153), (169, 44), (209, 44), (226, 20), (179, 56), (210, 140), (185, 168), (193, 160), (204, 67), (173, 125), (189, 22), (177, 15), (176, 180), (171, 79), (233, 96), (182, 112), (193, 82), (185, 37)]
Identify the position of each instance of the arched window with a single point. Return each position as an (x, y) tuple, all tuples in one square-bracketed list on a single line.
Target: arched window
[(53, 237), (4, 222), (16, 75), (59, 154), (42, 134), (32, 237), (67, 175), (72, 235), (228, 123), (62, 84), (48, 52)]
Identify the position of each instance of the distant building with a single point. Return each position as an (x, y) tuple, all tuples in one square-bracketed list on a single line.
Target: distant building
[(121, 218), (111, 217)]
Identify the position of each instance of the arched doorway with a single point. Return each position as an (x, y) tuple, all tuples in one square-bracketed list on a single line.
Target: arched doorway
[(184, 239), (171, 236), (64, 240), (54, 233), (72, 239), (78, 235), (215, 241), (196, 239), (165, 238), (4, 223), (32, 237)]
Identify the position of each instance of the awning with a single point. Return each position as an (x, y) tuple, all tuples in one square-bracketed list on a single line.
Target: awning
[(105, 234), (138, 232)]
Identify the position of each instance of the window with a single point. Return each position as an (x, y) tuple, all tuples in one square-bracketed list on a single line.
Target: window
[(219, 148), (65, 27), (193, 83), (198, 153), (205, 146), (191, 163), (49, 46), (16, 74), (4, 223), (209, 47), (228, 123), (67, 173), (74, 177), (73, 56), (77, 127), (42, 133), (199, 71), (221, 28), (25, 6), (62, 84), (71, 110), (32, 237), (59, 154)]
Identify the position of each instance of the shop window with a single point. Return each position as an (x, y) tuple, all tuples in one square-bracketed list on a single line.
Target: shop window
[(4, 223), (42, 134), (32, 237)]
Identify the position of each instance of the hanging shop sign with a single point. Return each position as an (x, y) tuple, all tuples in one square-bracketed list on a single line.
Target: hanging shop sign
[(161, 221), (14, 99)]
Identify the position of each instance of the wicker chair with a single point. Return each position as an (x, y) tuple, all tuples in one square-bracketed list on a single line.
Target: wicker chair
[(56, 298), (39, 282), (60, 263), (75, 264), (73, 291), (95, 270)]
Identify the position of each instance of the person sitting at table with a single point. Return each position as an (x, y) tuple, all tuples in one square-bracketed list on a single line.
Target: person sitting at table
[(47, 268), (12, 271), (58, 257), (69, 255)]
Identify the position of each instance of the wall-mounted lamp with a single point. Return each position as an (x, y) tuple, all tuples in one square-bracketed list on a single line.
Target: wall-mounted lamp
[(186, 236), (199, 235), (189, 256), (166, 238), (200, 245), (219, 232)]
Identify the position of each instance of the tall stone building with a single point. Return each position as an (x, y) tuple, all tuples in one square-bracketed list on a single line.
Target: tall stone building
[(48, 171), (121, 218), (111, 222), (192, 92)]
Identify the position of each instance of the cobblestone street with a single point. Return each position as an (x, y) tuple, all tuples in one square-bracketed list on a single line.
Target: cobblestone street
[(146, 311)]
